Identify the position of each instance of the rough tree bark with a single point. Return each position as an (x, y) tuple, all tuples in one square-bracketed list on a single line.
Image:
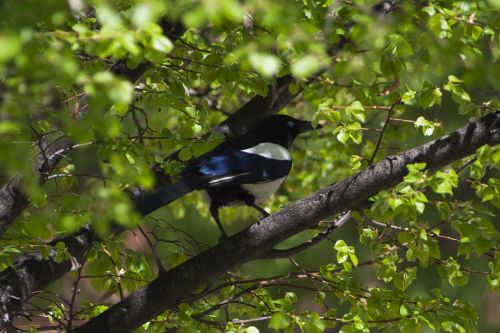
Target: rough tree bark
[(177, 285)]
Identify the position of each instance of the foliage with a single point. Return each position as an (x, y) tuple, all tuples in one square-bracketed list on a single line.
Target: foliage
[(421, 257)]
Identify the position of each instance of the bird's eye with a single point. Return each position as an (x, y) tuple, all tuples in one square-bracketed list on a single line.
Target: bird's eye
[(290, 124)]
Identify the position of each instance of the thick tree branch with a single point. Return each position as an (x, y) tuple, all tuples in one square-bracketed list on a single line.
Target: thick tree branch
[(175, 286)]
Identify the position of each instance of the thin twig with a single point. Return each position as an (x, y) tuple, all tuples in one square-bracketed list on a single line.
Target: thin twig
[(153, 250), (278, 253), (75, 292), (118, 274), (377, 147)]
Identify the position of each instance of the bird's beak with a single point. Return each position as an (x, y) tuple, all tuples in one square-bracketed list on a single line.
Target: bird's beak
[(306, 126)]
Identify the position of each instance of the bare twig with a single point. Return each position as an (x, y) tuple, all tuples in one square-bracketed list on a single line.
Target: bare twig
[(75, 292), (153, 250), (379, 141)]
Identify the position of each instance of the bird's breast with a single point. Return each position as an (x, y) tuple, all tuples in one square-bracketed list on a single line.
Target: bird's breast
[(262, 191)]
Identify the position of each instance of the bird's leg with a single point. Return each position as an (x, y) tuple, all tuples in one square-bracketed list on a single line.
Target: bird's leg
[(214, 211), (251, 203), (261, 210)]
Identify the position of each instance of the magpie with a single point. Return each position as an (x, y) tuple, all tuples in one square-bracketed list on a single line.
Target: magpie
[(243, 170)]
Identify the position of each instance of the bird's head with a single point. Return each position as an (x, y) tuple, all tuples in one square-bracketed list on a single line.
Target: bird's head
[(281, 129)]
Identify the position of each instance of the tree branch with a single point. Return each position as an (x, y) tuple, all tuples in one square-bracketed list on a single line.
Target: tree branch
[(175, 286)]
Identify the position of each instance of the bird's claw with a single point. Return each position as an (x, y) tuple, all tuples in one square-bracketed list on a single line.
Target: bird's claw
[(223, 237)]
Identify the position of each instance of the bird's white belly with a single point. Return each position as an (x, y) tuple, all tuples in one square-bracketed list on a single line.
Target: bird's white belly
[(262, 191)]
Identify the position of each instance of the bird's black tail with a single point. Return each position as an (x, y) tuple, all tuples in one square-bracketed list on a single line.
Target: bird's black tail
[(158, 198)]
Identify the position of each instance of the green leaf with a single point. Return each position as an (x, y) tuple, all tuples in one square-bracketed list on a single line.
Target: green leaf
[(429, 95), (444, 187), (314, 324), (340, 245), (428, 127), (279, 320), (495, 3), (143, 15), (231, 9), (161, 43), (357, 110), (354, 259), (10, 46), (405, 278), (390, 65), (305, 67), (185, 154), (408, 97), (108, 16), (266, 64), (355, 161), (8, 126), (458, 94), (446, 182), (251, 329), (343, 136), (403, 311), (347, 329)]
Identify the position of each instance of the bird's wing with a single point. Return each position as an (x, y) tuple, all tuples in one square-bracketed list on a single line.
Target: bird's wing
[(235, 167)]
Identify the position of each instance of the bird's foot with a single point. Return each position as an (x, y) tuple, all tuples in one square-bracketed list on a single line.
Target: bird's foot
[(262, 217), (223, 237)]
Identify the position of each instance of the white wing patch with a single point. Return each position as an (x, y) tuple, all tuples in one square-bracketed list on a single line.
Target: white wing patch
[(224, 179), (262, 191), (269, 150)]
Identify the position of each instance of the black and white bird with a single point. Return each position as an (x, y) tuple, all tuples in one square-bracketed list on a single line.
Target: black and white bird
[(243, 170)]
